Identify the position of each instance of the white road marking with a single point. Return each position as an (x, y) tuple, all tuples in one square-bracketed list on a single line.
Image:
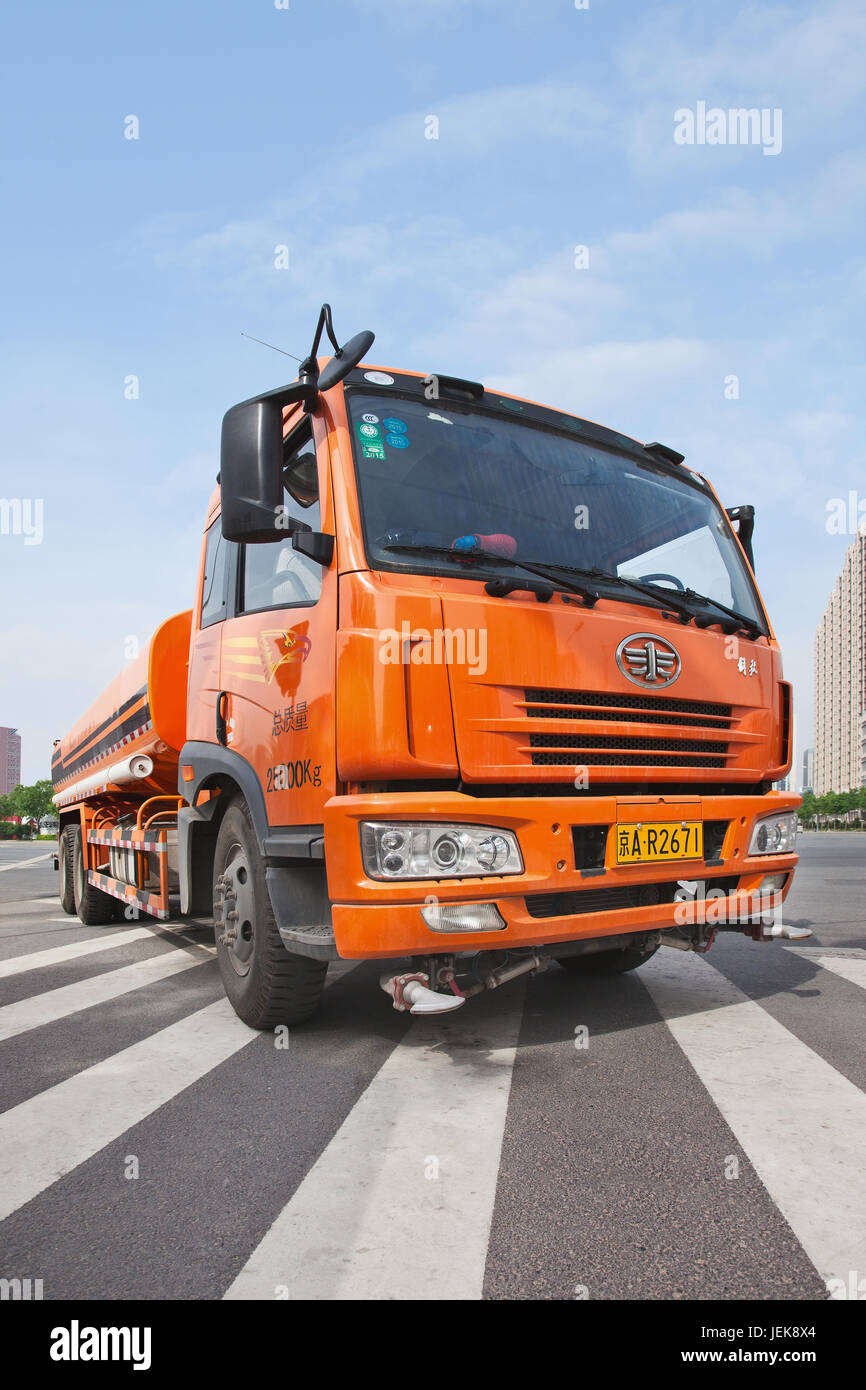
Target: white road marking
[(370, 1220), (25, 863), (71, 951), (47, 1136), (849, 964), (800, 1122), (98, 989)]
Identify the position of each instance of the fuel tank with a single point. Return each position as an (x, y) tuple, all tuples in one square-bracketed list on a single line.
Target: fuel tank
[(140, 716)]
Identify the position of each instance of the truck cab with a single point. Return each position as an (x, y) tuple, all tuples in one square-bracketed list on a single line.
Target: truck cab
[(514, 692)]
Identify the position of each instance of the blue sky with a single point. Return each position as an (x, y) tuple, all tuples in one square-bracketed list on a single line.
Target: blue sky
[(305, 127)]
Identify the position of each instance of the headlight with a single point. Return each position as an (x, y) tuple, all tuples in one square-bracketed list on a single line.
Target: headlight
[(774, 834), (404, 849)]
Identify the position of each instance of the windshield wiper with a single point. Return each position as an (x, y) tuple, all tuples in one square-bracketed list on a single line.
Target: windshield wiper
[(584, 591), (683, 602), (659, 596), (739, 621)]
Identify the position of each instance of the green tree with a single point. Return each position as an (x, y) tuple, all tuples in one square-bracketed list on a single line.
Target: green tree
[(32, 803)]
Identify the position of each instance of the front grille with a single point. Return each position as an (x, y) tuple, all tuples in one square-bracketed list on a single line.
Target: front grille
[(644, 745), (580, 902), (635, 752), (626, 750), (615, 708)]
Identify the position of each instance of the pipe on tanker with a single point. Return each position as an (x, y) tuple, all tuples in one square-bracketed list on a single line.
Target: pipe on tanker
[(127, 770)]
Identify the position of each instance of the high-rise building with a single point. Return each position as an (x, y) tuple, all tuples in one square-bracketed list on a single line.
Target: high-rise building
[(808, 784), (10, 759), (840, 678)]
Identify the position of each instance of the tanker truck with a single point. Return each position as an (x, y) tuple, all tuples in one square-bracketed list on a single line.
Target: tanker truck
[(468, 685)]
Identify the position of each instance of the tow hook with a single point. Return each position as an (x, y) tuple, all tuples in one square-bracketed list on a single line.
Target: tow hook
[(411, 992), (763, 933)]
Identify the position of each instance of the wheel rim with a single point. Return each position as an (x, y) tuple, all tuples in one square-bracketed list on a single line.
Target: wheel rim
[(234, 914)]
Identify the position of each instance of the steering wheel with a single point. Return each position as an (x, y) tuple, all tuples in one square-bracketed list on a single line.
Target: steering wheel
[(651, 579)]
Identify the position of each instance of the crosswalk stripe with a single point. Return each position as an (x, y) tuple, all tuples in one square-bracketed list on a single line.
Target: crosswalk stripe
[(55, 1004), (399, 1204), (48, 1135), (55, 955), (848, 966), (800, 1122)]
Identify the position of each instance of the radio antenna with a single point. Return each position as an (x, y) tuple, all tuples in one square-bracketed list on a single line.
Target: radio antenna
[(270, 345)]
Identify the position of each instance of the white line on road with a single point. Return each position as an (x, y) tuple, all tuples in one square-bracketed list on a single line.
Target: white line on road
[(25, 863), (56, 954), (47, 1136), (800, 1122), (399, 1204), (849, 963), (55, 1004)]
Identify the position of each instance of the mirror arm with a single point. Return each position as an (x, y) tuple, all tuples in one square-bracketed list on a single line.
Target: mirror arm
[(300, 390), (744, 516), (316, 545)]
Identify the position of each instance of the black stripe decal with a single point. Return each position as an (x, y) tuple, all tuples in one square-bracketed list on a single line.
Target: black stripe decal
[(101, 728), (92, 755)]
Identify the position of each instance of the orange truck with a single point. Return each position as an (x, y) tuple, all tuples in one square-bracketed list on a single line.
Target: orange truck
[(468, 685)]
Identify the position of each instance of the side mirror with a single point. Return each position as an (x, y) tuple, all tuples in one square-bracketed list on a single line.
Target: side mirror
[(345, 359), (251, 464), (251, 459), (744, 517)]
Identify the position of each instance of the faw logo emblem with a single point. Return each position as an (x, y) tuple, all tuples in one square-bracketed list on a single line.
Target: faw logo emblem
[(645, 659)]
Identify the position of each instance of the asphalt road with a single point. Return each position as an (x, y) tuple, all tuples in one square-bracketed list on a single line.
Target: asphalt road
[(693, 1130)]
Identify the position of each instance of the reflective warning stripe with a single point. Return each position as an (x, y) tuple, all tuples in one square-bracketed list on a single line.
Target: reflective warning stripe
[(148, 902), (119, 841)]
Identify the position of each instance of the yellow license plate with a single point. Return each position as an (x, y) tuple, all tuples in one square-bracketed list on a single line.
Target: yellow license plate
[(663, 840)]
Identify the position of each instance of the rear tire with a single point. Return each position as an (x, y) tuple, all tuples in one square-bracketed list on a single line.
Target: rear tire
[(266, 984), (64, 866), (94, 908), (611, 962)]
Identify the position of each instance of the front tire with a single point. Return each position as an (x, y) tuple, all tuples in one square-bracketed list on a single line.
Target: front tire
[(613, 962), (65, 850), (266, 984), (94, 908)]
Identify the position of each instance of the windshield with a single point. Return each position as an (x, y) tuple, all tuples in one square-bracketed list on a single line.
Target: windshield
[(431, 474)]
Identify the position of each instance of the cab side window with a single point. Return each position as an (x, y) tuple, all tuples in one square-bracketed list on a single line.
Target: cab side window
[(214, 598), (275, 575)]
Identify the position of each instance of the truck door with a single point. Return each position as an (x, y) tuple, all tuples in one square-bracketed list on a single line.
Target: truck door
[(208, 618), (278, 650)]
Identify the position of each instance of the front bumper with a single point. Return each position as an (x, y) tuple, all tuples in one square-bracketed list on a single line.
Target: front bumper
[(553, 900)]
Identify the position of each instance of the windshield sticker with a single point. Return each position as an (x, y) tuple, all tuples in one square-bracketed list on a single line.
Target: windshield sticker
[(373, 420), (391, 424), (369, 432), (379, 378), (373, 451), (397, 441)]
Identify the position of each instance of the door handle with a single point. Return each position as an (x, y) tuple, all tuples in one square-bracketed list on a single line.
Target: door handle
[(222, 708)]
